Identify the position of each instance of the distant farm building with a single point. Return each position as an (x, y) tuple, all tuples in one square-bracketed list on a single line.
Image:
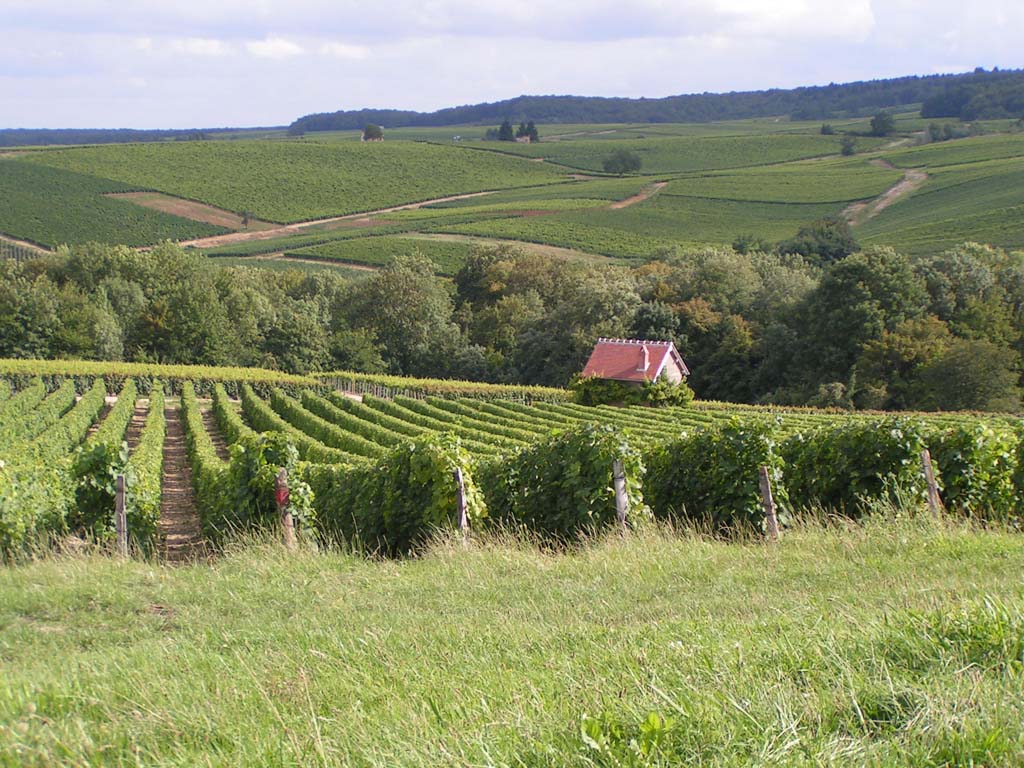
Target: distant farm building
[(635, 361), (523, 140)]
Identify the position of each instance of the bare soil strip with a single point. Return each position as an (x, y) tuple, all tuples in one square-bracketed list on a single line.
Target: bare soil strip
[(179, 528), (639, 197), (352, 219), (189, 209), (913, 178)]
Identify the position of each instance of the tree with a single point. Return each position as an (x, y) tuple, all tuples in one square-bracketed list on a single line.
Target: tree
[(531, 131), (848, 146), (882, 124), (823, 241), (972, 375), (372, 132), (522, 132), (505, 132), (827, 129), (622, 161), (410, 312)]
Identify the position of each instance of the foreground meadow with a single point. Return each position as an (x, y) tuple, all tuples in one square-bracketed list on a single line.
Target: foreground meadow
[(892, 643)]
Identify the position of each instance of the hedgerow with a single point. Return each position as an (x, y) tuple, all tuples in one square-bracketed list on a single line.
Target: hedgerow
[(36, 484), (843, 467), (393, 505), (712, 476), (562, 487), (97, 463), (144, 474), (976, 466), (261, 417)]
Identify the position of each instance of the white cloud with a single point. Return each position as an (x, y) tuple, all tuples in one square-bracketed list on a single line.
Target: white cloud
[(274, 48), (344, 51), (198, 46)]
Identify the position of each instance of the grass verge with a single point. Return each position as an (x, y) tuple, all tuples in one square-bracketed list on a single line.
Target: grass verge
[(896, 643)]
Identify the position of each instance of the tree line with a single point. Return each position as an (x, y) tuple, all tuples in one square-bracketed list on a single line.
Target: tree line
[(871, 329), (969, 96)]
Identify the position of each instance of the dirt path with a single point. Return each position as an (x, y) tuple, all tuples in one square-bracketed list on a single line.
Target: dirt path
[(357, 219), (178, 526), (219, 443), (913, 178), (24, 244), (189, 209), (560, 136), (639, 197), (134, 432), (108, 403)]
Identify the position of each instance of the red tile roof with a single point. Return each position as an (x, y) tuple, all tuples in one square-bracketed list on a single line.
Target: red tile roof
[(632, 359)]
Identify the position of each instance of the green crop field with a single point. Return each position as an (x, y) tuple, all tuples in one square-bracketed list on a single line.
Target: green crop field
[(815, 181), (761, 177), (287, 181), (51, 206), (377, 251), (983, 202), (960, 151), (679, 155), (664, 221)]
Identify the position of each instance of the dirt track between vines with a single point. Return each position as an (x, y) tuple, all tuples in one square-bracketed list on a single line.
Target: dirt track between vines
[(913, 178)]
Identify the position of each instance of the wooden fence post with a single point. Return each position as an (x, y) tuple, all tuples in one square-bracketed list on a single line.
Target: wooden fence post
[(462, 507), (120, 517), (934, 501), (770, 516), (281, 496), (621, 500)]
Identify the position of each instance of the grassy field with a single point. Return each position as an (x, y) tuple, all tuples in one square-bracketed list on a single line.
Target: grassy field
[(286, 181), (895, 644)]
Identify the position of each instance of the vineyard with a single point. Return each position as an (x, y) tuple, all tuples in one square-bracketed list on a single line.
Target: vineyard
[(380, 463), (761, 177)]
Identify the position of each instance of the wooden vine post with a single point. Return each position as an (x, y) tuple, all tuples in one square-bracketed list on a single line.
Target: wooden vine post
[(120, 516), (770, 515), (934, 501), (282, 497), (621, 499), (462, 509)]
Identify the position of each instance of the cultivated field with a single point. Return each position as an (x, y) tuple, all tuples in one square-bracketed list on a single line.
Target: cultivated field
[(372, 457), (713, 182)]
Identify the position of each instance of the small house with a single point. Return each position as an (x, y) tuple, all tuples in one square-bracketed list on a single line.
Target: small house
[(635, 361)]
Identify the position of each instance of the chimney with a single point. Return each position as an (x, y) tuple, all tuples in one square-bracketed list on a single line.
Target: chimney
[(644, 361)]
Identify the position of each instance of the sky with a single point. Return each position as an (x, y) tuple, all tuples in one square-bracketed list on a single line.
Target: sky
[(213, 63)]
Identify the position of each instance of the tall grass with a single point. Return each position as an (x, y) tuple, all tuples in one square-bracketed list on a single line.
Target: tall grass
[(887, 643)]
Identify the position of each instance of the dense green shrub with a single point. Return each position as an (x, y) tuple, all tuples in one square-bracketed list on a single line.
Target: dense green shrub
[(590, 390), (840, 468), (562, 487), (209, 471), (261, 417), (393, 505), (713, 476), (36, 484), (144, 473), (976, 465), (238, 494), (97, 463)]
